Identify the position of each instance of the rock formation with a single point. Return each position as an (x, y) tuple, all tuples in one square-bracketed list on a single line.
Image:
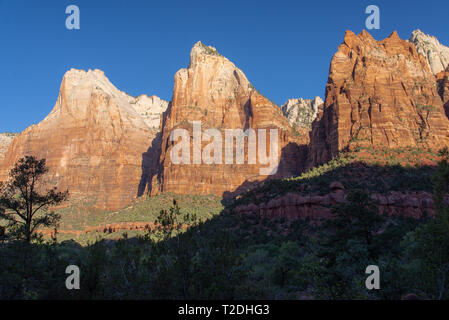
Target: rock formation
[(214, 93), (301, 113), (93, 140), (150, 109), (436, 54), (5, 141), (295, 205), (379, 94)]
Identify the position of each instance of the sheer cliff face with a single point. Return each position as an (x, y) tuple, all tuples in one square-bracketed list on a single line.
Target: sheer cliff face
[(93, 141), (436, 54), (214, 93), (300, 112), (380, 94)]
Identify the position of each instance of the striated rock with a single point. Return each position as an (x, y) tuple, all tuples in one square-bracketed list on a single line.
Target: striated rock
[(93, 140), (5, 140), (301, 112), (297, 206), (436, 54), (216, 94), (443, 88), (380, 94)]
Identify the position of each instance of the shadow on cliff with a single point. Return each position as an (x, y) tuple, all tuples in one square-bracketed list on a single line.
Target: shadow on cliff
[(291, 164), (355, 175), (150, 160)]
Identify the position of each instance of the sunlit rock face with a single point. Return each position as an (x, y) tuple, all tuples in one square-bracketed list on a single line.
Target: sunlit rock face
[(436, 54), (5, 141), (93, 140), (217, 94), (379, 94), (301, 112)]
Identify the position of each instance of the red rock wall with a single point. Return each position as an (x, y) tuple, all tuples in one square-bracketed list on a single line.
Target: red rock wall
[(297, 206), (379, 94), (92, 142), (216, 93)]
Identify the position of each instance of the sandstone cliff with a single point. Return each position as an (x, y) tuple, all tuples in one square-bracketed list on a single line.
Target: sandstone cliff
[(213, 92), (436, 54), (93, 140), (380, 94), (5, 141)]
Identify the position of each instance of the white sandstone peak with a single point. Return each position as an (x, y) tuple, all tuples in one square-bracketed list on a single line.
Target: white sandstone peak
[(79, 87), (437, 55), (301, 112)]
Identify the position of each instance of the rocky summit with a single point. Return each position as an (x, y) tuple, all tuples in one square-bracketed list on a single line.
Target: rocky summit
[(107, 147), (213, 92), (380, 94), (93, 140), (300, 113)]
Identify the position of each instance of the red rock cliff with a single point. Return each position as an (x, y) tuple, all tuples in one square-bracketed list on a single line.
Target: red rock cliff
[(379, 94), (93, 141), (215, 93)]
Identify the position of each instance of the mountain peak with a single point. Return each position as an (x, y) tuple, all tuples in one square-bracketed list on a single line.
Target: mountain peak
[(437, 55), (200, 51), (201, 48)]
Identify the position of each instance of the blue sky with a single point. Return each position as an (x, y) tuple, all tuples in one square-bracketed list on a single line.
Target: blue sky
[(284, 47)]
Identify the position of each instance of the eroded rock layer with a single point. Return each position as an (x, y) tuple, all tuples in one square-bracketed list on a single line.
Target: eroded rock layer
[(5, 141), (380, 94)]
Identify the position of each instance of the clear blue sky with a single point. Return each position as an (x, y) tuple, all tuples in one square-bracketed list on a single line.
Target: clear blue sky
[(284, 47)]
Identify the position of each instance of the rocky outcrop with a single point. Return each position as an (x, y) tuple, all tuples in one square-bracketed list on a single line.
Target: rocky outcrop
[(379, 94), (443, 88), (215, 94), (436, 54), (5, 140), (93, 140), (150, 108), (299, 206), (301, 112)]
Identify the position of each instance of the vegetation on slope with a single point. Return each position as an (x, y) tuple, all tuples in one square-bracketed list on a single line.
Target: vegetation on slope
[(247, 257)]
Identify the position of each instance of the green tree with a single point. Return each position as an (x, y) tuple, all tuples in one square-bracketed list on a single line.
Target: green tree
[(24, 206), (430, 249), (350, 243)]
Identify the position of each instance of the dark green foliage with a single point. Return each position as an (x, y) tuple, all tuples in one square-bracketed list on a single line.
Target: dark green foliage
[(249, 256), (428, 246), (21, 202), (354, 175)]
